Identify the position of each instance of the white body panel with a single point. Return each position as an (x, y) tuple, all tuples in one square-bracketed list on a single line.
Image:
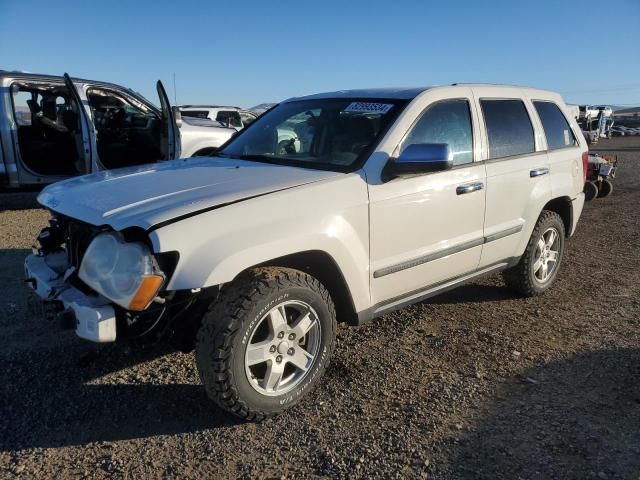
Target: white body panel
[(195, 138), (412, 218), (151, 194), (329, 216)]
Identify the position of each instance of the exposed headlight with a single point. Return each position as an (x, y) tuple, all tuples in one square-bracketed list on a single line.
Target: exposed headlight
[(121, 271)]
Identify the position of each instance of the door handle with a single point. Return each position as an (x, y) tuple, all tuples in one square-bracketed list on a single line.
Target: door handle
[(536, 172), (469, 187)]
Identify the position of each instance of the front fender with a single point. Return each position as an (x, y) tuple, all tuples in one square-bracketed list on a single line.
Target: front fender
[(329, 216)]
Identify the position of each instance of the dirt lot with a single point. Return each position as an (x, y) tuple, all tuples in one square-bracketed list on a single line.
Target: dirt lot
[(477, 383)]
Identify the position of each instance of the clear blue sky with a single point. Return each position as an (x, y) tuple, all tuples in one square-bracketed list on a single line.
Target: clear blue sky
[(246, 52)]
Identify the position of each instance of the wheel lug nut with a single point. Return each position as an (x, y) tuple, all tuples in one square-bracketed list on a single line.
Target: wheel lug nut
[(272, 348), (291, 351), (280, 334), (292, 336), (279, 358)]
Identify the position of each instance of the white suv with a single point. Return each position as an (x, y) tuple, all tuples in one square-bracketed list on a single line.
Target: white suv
[(230, 117), (383, 198)]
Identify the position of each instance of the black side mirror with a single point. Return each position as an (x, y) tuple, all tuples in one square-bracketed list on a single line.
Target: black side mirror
[(419, 158)]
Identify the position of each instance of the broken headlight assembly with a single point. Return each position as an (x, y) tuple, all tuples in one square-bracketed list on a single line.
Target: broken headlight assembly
[(124, 272)]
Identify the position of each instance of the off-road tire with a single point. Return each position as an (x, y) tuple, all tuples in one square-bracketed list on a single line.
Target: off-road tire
[(606, 188), (590, 191), (521, 277), (221, 340)]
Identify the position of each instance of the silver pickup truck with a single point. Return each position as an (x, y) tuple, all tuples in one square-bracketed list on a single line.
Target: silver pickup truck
[(52, 128)]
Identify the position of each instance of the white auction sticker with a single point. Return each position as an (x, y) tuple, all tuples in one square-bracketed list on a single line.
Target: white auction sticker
[(366, 107)]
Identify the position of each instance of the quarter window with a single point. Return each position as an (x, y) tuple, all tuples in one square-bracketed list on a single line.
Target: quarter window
[(229, 118), (508, 127), (556, 127), (448, 122)]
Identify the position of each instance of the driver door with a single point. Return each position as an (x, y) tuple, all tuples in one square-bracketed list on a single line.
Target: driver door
[(428, 229), (170, 131)]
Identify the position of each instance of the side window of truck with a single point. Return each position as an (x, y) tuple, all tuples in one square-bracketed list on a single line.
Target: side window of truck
[(508, 127), (556, 127), (448, 121)]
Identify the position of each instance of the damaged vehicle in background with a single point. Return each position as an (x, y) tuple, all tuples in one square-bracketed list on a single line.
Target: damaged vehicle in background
[(52, 128)]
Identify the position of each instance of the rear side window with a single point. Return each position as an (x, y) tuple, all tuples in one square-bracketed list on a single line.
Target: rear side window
[(508, 127), (556, 127), (195, 113), (448, 121)]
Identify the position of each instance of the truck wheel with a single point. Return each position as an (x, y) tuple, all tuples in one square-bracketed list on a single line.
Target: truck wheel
[(606, 187), (590, 191), (539, 265), (266, 341)]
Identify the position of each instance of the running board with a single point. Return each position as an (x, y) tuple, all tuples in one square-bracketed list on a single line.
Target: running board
[(423, 294)]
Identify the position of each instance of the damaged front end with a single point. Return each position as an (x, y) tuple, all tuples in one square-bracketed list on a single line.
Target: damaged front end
[(108, 285)]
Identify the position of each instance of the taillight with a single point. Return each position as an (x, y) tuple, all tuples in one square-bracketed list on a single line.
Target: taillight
[(585, 164)]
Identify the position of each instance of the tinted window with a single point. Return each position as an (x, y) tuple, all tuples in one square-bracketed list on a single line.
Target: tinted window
[(556, 127), (508, 127), (247, 118), (195, 113), (230, 118), (446, 122), (325, 133)]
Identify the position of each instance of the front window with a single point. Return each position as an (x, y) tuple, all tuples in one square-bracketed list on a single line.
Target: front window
[(327, 133)]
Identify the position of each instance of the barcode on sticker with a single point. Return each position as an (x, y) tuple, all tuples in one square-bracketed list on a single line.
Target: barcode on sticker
[(366, 107)]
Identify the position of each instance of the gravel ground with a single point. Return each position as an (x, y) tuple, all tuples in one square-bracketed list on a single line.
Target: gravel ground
[(477, 383)]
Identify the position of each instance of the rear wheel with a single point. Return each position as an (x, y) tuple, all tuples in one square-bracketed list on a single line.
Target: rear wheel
[(539, 265), (606, 187), (266, 342), (590, 191)]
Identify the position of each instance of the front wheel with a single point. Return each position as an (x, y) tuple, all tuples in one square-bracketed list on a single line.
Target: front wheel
[(266, 342), (539, 265)]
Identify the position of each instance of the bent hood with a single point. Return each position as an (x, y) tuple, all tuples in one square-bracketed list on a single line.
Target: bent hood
[(153, 194)]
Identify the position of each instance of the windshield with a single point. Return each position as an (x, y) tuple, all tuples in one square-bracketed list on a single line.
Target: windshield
[(327, 133)]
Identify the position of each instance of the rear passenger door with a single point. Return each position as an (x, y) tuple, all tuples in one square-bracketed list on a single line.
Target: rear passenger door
[(517, 169)]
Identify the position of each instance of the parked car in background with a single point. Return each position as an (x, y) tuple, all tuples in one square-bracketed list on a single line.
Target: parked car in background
[(383, 198), (52, 128), (231, 117)]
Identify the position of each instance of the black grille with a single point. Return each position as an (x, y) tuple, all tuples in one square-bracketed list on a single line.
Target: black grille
[(78, 238)]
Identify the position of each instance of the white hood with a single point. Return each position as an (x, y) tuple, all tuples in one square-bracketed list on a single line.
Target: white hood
[(148, 195)]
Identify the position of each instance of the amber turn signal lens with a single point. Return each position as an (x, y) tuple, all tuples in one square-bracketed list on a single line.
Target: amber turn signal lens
[(147, 290)]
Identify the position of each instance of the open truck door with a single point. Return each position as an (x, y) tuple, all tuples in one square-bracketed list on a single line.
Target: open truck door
[(170, 130), (87, 129)]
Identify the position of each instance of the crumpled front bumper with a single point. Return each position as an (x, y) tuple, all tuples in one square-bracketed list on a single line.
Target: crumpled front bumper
[(94, 316)]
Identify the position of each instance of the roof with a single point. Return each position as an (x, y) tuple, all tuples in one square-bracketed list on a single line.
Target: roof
[(55, 78), (395, 93), (403, 93), (209, 106)]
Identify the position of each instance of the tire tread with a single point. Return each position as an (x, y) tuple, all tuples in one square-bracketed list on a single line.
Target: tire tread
[(223, 321)]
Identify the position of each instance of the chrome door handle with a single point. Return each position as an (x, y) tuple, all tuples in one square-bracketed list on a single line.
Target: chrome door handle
[(469, 187), (536, 172)]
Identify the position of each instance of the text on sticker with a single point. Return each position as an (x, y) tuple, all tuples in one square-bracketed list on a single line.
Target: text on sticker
[(366, 107)]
